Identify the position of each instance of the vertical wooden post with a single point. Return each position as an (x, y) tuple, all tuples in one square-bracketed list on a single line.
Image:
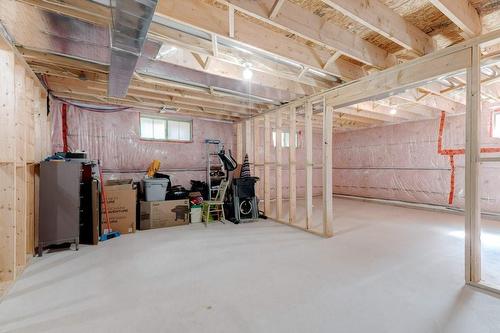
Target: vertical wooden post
[(267, 163), (42, 135), (239, 143), (7, 168), (309, 163), (30, 198), (292, 171), (21, 119), (22, 134), (32, 143), (231, 21), (327, 171), (249, 142), (472, 167), (279, 166), (256, 156)]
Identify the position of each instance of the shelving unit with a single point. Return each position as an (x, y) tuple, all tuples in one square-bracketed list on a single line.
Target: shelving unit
[(214, 164), (24, 141)]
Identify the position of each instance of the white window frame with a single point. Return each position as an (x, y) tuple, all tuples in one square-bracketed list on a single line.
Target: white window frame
[(166, 120), (283, 138)]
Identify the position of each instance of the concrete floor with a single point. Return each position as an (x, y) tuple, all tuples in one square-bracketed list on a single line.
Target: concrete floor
[(388, 269)]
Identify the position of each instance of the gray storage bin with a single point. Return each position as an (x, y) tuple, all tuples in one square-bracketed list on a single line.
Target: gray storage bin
[(155, 189)]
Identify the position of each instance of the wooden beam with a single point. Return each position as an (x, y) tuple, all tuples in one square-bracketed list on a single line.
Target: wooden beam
[(257, 156), (249, 144), (279, 166), (327, 171), (83, 10), (227, 54), (149, 106), (472, 169), (462, 13), (141, 83), (267, 163), (239, 143), (231, 21), (99, 89), (332, 59), (192, 43), (221, 67), (298, 21), (399, 78), (22, 133), (302, 73), (7, 168), (215, 47), (292, 168), (383, 20), (309, 162), (213, 20), (276, 8)]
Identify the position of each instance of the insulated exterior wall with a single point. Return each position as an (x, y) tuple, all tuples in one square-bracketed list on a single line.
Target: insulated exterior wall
[(114, 138), (401, 162)]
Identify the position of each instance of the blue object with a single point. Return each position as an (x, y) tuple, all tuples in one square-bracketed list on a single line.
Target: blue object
[(109, 235)]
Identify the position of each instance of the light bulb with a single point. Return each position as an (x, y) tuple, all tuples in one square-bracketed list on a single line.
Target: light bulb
[(247, 73), (393, 111)]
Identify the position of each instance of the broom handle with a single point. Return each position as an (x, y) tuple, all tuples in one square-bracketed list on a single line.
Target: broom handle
[(105, 200)]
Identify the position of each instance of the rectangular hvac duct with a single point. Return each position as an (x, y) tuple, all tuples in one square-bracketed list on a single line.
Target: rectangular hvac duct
[(131, 21)]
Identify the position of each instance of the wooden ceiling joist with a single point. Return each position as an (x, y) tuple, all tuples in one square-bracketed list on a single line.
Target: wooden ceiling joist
[(202, 48), (83, 10), (213, 20), (142, 104), (281, 32), (462, 13), (163, 33), (298, 21), (378, 17), (60, 84)]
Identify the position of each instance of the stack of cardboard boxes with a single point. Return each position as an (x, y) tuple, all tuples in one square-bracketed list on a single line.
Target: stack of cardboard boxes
[(122, 198)]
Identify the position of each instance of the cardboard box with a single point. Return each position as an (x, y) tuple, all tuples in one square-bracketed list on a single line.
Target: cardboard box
[(121, 199), (161, 214)]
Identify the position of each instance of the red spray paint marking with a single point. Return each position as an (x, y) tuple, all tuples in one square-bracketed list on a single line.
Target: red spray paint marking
[(452, 152), (64, 118)]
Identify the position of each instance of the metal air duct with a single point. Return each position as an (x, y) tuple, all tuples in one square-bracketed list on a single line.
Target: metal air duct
[(131, 21)]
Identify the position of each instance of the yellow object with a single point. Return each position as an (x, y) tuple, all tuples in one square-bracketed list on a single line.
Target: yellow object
[(153, 168)]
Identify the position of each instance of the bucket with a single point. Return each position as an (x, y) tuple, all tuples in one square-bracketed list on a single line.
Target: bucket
[(196, 214), (155, 188)]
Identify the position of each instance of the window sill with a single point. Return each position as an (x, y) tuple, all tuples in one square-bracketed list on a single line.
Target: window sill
[(166, 141)]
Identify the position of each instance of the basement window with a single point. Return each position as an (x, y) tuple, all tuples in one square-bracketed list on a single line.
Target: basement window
[(179, 130), (285, 139), (496, 124), (162, 129)]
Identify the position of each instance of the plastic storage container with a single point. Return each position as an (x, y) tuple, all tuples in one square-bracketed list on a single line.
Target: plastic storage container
[(155, 188), (196, 214)]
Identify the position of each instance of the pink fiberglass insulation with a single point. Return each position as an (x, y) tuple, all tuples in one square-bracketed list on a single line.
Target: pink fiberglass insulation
[(401, 162), (113, 138), (397, 162)]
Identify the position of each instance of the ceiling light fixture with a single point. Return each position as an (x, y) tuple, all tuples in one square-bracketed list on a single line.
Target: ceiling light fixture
[(247, 72), (168, 109), (393, 111), (165, 50)]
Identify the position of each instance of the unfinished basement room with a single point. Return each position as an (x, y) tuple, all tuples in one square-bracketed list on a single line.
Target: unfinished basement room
[(250, 166)]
